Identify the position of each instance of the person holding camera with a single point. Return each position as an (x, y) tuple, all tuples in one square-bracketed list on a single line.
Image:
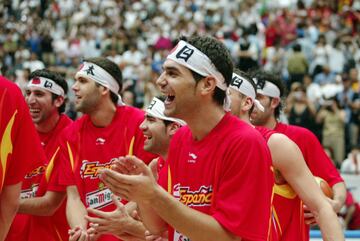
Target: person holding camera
[(299, 109)]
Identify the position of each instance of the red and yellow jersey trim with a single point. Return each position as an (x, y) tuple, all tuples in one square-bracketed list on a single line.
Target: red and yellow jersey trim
[(50, 166), (71, 156), (285, 191), (6, 147)]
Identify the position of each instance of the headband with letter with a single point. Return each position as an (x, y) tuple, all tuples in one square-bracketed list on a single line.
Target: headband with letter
[(156, 109), (267, 88), (46, 84), (99, 75), (192, 58), (242, 85)]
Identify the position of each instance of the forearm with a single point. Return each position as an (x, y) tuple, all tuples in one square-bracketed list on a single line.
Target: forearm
[(349, 215), (75, 210), (195, 225), (42, 206), (329, 225), (9, 204), (339, 191), (151, 220)]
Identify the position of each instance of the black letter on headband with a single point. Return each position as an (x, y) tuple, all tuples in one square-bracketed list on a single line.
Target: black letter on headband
[(236, 81), (48, 84), (151, 104), (90, 70), (185, 53), (260, 84)]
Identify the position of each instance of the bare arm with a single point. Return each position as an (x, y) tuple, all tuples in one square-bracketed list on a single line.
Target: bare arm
[(9, 204), (42, 206), (143, 189), (339, 190), (75, 214), (297, 174)]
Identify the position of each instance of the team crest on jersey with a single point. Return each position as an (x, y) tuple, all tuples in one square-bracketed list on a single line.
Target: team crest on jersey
[(91, 169), (30, 192), (198, 198), (37, 171)]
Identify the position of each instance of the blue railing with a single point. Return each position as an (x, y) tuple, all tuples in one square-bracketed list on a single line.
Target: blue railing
[(348, 234)]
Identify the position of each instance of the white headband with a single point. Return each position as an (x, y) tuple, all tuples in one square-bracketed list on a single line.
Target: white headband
[(192, 58), (156, 109), (267, 88), (99, 75), (46, 84), (242, 85)]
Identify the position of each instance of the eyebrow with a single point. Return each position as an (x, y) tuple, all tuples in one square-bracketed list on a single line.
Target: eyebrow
[(171, 68)]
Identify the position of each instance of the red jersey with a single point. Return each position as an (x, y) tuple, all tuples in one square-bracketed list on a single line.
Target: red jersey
[(226, 175), (275, 228), (85, 149), (289, 207), (53, 227), (20, 145)]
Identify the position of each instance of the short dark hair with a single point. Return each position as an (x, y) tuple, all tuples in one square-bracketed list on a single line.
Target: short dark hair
[(249, 78), (219, 56), (112, 69), (57, 78), (262, 76)]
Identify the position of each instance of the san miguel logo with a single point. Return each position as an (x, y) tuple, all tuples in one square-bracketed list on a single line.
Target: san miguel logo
[(200, 197), (91, 169)]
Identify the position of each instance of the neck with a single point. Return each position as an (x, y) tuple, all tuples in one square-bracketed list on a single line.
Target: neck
[(244, 116), (204, 120), (49, 124), (271, 123), (164, 155), (104, 114)]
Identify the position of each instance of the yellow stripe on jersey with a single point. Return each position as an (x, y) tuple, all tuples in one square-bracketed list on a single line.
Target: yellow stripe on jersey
[(50, 166), (277, 221), (285, 191), (70, 156), (169, 180), (6, 146), (131, 147)]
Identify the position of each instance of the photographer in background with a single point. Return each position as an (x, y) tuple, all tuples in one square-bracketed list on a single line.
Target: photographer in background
[(332, 117)]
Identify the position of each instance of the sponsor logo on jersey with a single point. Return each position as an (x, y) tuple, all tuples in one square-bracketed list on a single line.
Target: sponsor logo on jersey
[(99, 198), (91, 169), (30, 192), (37, 171), (192, 158), (198, 198), (100, 141)]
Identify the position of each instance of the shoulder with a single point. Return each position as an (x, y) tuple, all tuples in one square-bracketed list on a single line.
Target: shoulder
[(10, 92), (130, 112)]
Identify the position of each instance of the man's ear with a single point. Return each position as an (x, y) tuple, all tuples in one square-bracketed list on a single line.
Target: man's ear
[(172, 128), (59, 101), (208, 85), (275, 102)]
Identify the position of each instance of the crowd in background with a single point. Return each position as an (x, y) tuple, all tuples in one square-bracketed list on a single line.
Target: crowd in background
[(313, 45)]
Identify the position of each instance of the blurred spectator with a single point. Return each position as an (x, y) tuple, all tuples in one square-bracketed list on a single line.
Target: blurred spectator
[(350, 102), (300, 111), (333, 135), (247, 53), (351, 164), (325, 76), (297, 65)]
